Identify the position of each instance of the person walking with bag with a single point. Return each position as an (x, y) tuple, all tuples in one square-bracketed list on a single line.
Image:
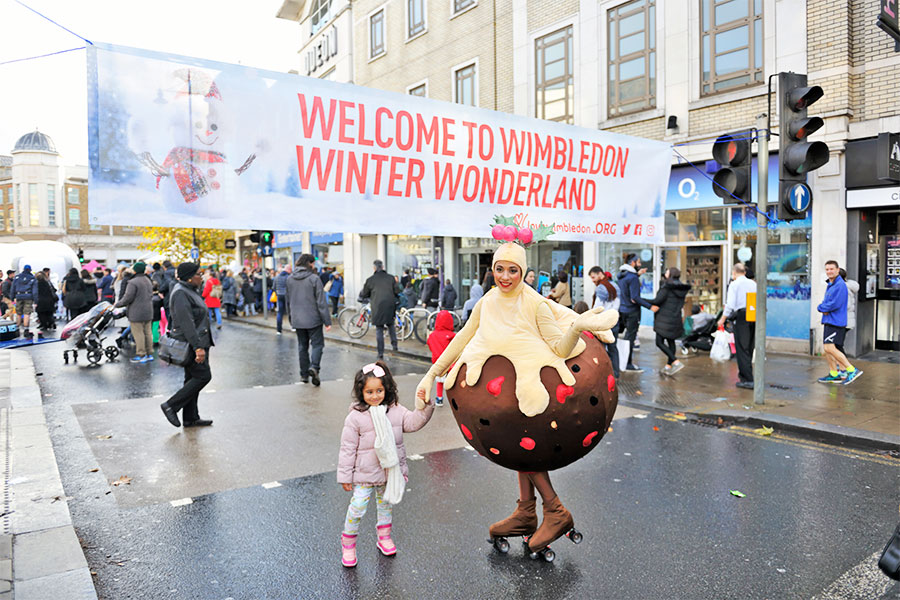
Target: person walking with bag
[(189, 322), (138, 298), (281, 296), (382, 289), (744, 331), (667, 318)]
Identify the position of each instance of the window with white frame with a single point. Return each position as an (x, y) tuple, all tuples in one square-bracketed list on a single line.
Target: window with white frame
[(376, 34), (464, 84), (631, 57), (415, 17), (461, 5), (419, 90), (73, 195), (51, 205), (554, 87), (74, 218), (320, 15), (731, 39)]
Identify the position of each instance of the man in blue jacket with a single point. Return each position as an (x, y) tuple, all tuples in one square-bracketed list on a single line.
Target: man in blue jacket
[(630, 306), (834, 318), (24, 292), (281, 294)]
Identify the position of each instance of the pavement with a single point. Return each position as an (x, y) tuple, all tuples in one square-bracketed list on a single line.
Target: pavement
[(864, 413)]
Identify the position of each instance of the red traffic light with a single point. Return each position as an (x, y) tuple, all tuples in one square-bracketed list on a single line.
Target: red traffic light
[(730, 150), (802, 128), (799, 98)]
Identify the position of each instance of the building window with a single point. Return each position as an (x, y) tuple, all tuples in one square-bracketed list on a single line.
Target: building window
[(632, 57), (461, 5), (419, 90), (464, 88), (415, 17), (18, 205), (376, 34), (3, 224), (732, 43), (34, 206), (74, 198), (74, 218), (51, 205), (554, 77), (96, 227), (320, 15)]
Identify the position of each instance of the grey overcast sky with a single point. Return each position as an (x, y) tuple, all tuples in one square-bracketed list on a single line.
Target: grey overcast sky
[(50, 93)]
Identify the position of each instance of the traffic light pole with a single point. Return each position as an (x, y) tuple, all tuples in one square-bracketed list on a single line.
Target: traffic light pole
[(762, 259)]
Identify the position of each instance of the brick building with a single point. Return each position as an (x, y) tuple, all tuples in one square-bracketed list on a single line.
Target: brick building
[(683, 71)]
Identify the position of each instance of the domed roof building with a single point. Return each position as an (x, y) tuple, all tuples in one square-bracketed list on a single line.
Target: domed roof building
[(35, 142)]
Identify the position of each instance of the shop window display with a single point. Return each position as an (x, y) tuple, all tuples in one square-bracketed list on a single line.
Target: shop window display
[(787, 281)]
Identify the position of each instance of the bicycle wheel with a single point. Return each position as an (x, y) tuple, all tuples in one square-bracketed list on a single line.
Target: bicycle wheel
[(358, 326), (404, 326), (420, 328), (457, 321), (344, 316)]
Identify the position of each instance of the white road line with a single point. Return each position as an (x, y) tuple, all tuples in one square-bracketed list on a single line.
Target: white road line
[(182, 502), (271, 484), (862, 582)]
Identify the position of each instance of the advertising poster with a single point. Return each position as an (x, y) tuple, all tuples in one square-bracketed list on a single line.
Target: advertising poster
[(184, 142)]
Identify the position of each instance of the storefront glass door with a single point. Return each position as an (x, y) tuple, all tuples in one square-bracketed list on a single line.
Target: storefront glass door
[(702, 267)]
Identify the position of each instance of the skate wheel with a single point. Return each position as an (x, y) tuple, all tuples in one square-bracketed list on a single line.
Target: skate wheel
[(548, 555), (575, 536), (533, 555), (501, 544)]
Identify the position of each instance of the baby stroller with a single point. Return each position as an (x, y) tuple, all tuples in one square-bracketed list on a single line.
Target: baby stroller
[(700, 339), (84, 331)]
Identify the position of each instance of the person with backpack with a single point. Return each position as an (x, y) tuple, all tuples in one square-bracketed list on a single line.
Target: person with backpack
[(212, 294), (448, 296), (25, 293)]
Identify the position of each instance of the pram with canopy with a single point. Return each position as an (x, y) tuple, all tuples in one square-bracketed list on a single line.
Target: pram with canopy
[(84, 333)]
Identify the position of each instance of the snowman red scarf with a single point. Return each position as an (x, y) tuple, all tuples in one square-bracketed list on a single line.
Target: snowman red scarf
[(190, 180)]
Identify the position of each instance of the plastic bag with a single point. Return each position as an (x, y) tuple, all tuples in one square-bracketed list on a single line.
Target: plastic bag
[(720, 350), (624, 347)]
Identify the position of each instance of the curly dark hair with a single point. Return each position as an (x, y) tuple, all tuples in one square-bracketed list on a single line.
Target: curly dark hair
[(391, 397)]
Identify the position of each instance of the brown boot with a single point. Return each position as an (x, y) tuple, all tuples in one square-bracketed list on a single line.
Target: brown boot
[(523, 521), (557, 521)]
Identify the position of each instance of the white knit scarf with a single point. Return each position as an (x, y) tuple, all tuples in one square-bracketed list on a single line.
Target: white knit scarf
[(386, 450)]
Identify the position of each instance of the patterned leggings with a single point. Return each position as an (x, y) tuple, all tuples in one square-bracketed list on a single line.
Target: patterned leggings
[(358, 504)]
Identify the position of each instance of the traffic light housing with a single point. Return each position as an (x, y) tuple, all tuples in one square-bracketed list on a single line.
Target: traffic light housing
[(81, 256), (732, 181), (254, 237), (796, 155)]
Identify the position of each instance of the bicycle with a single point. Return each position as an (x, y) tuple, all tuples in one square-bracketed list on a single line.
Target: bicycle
[(356, 321), (425, 325)]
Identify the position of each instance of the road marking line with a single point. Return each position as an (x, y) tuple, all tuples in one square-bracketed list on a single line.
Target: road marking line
[(271, 484), (182, 502), (861, 582)]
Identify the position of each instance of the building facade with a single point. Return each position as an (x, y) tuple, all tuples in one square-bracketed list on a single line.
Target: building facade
[(685, 72), (43, 200)]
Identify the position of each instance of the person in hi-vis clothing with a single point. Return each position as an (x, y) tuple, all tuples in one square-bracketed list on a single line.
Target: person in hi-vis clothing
[(744, 331)]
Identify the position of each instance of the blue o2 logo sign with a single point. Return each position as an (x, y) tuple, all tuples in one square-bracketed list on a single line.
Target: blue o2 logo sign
[(800, 196)]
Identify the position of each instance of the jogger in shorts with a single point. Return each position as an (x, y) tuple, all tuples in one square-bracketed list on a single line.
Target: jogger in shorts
[(834, 319)]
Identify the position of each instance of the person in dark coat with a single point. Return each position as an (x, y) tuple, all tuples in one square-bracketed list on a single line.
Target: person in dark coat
[(630, 306), (308, 313), (189, 323), (430, 291), (448, 296), (382, 289), (46, 303), (90, 287), (667, 320), (139, 300), (412, 298), (74, 298), (25, 291), (249, 297)]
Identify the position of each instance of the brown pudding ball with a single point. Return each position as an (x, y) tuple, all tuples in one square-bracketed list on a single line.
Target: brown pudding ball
[(574, 422)]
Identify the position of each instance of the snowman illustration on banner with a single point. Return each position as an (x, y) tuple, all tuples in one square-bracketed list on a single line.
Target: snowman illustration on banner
[(196, 176)]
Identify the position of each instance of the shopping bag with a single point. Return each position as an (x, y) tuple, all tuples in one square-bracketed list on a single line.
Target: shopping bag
[(720, 350), (624, 347)]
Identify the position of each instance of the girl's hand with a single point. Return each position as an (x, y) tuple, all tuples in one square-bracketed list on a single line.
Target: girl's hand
[(348, 487), (422, 398)]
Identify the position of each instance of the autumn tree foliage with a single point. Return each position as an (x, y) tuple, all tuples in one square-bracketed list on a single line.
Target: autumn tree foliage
[(175, 244)]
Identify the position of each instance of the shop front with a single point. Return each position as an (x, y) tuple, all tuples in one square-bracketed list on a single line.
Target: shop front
[(873, 244)]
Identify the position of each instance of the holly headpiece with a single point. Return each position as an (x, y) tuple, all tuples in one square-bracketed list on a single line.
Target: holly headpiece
[(506, 230)]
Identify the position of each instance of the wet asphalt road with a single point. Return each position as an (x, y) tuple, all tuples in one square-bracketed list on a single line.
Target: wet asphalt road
[(654, 506)]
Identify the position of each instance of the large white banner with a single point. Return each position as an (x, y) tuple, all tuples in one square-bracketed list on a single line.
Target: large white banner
[(184, 142)]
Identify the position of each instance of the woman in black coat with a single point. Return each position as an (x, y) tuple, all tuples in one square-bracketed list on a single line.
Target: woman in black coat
[(74, 298), (90, 288), (189, 322), (46, 302), (667, 322)]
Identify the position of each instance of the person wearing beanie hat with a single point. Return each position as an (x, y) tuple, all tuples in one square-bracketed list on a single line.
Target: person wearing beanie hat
[(138, 298), (139, 267), (514, 325), (189, 322)]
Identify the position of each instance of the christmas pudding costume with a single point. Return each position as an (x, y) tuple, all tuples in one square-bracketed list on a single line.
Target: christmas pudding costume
[(532, 390)]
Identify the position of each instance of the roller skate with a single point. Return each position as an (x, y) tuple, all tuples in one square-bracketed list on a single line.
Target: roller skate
[(523, 521), (557, 522), (348, 550)]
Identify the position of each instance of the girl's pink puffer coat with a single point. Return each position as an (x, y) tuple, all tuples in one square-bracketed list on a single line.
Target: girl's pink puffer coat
[(357, 462)]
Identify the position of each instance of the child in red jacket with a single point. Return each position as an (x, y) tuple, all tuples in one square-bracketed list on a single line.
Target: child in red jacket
[(437, 343)]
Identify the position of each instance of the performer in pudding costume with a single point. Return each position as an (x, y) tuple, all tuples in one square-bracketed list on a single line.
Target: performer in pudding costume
[(531, 388)]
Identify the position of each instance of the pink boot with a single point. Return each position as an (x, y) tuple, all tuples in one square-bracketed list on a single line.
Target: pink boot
[(385, 543), (348, 550)]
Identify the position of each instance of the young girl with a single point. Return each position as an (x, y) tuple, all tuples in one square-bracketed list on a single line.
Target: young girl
[(373, 456)]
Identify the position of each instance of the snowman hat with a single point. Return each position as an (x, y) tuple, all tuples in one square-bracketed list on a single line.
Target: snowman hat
[(512, 252), (197, 83)]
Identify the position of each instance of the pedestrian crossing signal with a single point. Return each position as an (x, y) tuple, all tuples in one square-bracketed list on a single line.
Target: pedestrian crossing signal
[(81, 256)]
